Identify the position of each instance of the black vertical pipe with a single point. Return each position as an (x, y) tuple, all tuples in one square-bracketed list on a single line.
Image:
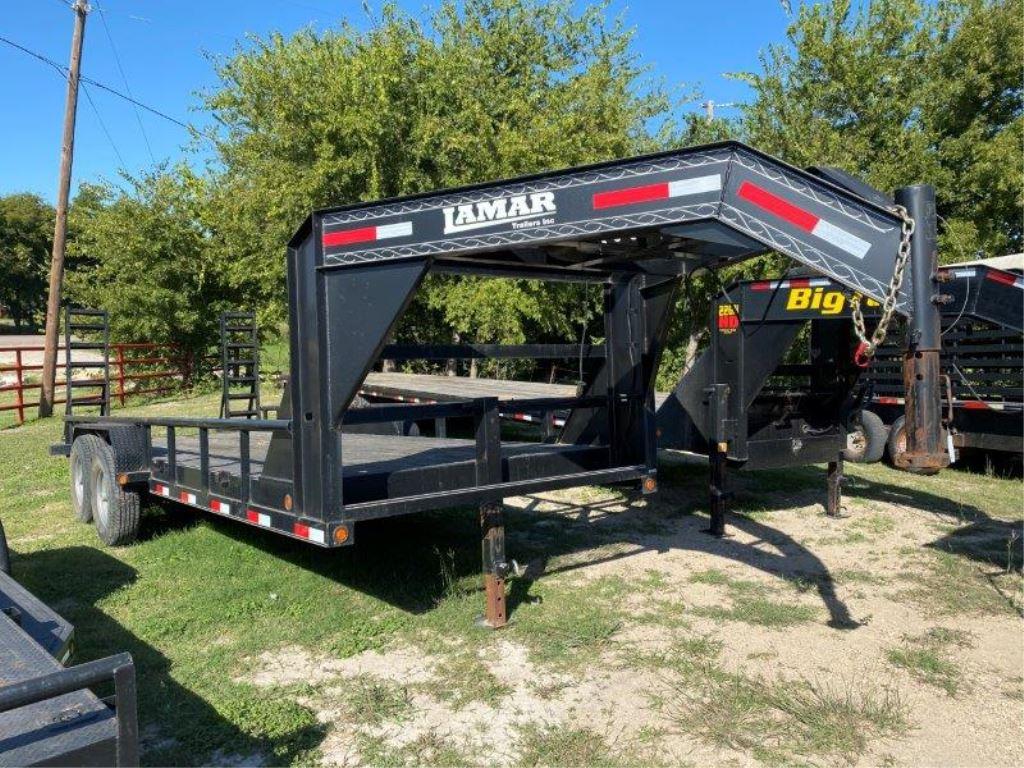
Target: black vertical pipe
[(926, 325), (921, 370)]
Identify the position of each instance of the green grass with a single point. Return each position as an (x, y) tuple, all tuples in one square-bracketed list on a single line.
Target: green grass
[(927, 658), (875, 523), (464, 679), (761, 611), (199, 599), (567, 626), (428, 749), (372, 701), (751, 603), (948, 584), (928, 665), (777, 721), (565, 747)]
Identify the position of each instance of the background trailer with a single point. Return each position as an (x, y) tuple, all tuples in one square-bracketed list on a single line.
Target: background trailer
[(634, 227)]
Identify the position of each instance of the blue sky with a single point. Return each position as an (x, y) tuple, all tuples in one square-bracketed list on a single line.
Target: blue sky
[(163, 47)]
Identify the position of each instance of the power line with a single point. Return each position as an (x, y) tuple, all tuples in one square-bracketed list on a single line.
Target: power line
[(64, 73), (138, 103), (103, 125), (59, 67), (124, 79)]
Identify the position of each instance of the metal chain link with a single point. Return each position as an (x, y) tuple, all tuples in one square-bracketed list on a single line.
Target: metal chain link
[(868, 345)]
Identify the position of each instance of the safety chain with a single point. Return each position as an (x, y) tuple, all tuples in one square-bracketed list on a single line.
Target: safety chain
[(868, 346)]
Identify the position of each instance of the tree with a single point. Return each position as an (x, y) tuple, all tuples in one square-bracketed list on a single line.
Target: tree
[(899, 92), (145, 256), (26, 239), (489, 89)]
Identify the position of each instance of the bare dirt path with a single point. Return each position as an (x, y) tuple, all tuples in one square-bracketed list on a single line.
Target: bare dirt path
[(891, 636)]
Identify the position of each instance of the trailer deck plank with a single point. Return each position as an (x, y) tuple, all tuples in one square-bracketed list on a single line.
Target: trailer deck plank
[(362, 453), (443, 388)]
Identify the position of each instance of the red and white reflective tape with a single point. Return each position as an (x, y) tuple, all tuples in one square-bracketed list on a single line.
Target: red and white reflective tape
[(309, 532), (520, 417), (259, 518), (967, 405), (974, 405), (666, 190), (805, 220), (186, 498), (221, 507), (162, 490), (1006, 278), (367, 234), (978, 405), (798, 282)]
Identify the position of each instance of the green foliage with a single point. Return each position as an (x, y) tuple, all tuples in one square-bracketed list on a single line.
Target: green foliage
[(899, 91), (26, 240), (146, 256), (487, 89)]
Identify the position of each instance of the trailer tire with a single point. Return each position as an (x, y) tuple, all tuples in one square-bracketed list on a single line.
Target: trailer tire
[(82, 450), (866, 440), (896, 445), (116, 511)]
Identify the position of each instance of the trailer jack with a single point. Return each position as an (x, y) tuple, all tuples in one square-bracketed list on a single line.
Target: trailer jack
[(719, 494), (922, 376), (495, 567), (834, 505)]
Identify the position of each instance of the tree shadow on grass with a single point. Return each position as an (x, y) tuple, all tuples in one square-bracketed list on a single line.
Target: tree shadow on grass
[(178, 726), (405, 561), (409, 561)]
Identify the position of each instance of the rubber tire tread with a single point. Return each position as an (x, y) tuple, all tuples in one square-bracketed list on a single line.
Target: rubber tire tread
[(83, 448), (892, 444), (875, 437), (125, 506)]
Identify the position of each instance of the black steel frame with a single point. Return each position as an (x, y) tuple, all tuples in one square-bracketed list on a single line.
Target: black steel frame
[(633, 226), (240, 365), (120, 669), (97, 323)]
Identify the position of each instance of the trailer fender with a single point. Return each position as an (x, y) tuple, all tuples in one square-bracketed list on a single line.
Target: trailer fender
[(128, 442)]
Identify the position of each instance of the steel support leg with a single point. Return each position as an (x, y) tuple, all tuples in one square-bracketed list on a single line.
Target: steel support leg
[(922, 371), (834, 505), (492, 528), (719, 494)]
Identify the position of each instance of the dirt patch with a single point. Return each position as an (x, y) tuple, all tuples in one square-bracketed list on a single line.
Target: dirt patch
[(794, 612)]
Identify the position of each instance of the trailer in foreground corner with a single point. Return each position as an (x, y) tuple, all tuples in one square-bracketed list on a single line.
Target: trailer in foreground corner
[(634, 227), (48, 714)]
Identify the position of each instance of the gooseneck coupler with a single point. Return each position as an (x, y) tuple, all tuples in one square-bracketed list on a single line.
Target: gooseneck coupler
[(921, 373)]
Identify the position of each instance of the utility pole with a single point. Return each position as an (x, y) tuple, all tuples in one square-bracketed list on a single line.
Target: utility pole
[(46, 397), (709, 109)]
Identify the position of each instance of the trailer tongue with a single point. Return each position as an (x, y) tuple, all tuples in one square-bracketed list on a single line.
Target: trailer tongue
[(633, 226)]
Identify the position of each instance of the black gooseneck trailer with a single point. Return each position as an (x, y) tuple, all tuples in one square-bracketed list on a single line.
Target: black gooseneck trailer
[(774, 407), (634, 226), (825, 406), (982, 360)]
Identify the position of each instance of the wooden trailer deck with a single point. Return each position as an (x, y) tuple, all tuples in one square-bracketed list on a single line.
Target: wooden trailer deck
[(420, 387)]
